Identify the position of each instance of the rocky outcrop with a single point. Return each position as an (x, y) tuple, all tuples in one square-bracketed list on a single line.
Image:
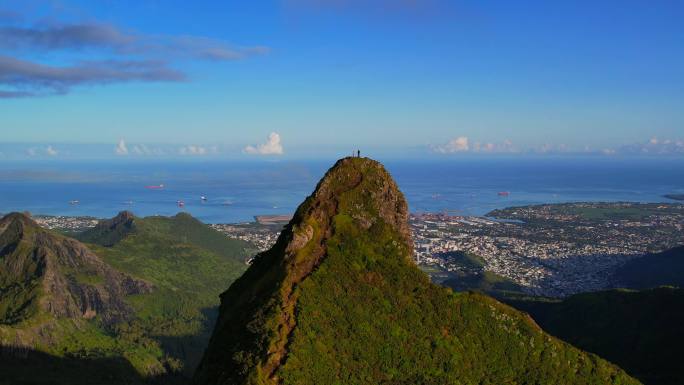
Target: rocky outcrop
[(108, 232), (42, 272)]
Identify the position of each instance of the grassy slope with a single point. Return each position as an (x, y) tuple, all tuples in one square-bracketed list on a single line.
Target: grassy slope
[(368, 316), (473, 277), (23, 323), (640, 331), (18, 297), (190, 264)]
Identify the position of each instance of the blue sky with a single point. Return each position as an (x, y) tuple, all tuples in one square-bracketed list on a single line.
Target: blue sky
[(439, 77)]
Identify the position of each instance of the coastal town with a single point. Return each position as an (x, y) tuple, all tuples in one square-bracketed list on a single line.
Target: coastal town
[(262, 237), (65, 223), (551, 250)]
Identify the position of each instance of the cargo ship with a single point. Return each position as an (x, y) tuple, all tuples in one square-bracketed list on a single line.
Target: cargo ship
[(504, 193)]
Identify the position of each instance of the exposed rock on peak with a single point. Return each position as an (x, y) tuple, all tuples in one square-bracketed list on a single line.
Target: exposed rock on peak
[(123, 216), (362, 189), (110, 231)]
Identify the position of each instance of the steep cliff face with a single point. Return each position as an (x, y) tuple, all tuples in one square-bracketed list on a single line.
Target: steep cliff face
[(337, 300), (43, 273)]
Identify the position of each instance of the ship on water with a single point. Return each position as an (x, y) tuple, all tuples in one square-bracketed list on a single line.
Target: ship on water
[(504, 193)]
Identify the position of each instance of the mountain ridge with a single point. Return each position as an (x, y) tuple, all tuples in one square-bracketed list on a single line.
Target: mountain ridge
[(338, 299)]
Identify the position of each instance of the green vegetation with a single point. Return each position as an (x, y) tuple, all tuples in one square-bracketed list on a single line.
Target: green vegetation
[(466, 261), (639, 330), (485, 282), (653, 270), (162, 298), (469, 274), (338, 301), (20, 287), (389, 324), (189, 265), (589, 211), (617, 213)]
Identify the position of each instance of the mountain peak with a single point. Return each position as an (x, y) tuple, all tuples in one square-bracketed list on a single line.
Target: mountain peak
[(123, 216), (22, 218), (338, 299), (108, 232), (364, 190), (13, 227)]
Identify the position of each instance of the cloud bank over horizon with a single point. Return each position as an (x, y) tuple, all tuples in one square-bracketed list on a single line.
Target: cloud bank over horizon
[(460, 146), (464, 145)]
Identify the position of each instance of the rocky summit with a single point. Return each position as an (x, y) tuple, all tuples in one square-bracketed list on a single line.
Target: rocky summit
[(338, 300)]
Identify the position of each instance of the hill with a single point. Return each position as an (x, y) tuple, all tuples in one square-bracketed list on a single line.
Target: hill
[(338, 300), (43, 275), (652, 270), (58, 298), (471, 275), (135, 304), (639, 330), (189, 263)]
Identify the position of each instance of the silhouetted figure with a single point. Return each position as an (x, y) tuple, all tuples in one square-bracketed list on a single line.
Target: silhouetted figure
[(358, 153)]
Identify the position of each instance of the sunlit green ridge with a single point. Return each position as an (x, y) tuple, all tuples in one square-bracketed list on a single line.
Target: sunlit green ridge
[(338, 300)]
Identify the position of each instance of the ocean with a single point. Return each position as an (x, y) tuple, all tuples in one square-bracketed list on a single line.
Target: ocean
[(236, 191)]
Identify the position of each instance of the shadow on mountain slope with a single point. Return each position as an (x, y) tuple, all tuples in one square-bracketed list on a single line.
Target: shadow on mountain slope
[(21, 366)]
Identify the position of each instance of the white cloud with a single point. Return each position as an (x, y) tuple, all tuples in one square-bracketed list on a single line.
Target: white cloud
[(460, 144), (193, 150), (50, 151), (654, 146), (121, 148), (141, 149), (271, 147), (464, 144)]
